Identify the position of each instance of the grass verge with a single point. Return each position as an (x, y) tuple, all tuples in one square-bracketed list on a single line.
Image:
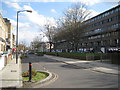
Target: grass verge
[(36, 77), (39, 76)]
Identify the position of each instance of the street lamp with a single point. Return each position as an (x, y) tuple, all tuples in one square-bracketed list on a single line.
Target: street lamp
[(17, 33)]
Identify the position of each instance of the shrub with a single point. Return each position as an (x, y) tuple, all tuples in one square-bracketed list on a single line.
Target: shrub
[(23, 56), (26, 74), (40, 54)]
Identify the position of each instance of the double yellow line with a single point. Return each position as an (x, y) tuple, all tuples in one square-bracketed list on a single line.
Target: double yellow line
[(48, 82)]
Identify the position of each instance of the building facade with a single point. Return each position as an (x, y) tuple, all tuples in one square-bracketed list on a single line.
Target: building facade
[(3, 34), (13, 41), (101, 33), (7, 39), (10, 34)]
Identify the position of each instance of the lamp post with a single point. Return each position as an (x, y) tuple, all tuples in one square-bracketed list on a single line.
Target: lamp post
[(17, 33)]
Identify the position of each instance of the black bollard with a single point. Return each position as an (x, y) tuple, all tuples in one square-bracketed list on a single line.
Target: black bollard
[(30, 71)]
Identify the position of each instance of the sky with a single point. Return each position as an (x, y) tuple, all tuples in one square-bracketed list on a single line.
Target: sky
[(31, 24)]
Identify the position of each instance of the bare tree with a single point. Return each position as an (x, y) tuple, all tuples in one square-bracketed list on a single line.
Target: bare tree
[(72, 24), (37, 43), (50, 31), (22, 45), (77, 13)]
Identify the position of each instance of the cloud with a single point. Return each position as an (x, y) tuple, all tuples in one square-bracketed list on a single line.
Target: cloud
[(36, 18), (90, 1), (13, 4), (93, 13), (27, 36), (31, 28), (53, 11), (26, 31)]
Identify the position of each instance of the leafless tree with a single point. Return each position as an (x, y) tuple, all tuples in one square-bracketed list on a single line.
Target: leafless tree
[(50, 31), (37, 43), (72, 24)]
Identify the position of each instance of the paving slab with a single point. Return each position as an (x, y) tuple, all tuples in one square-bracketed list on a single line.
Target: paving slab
[(11, 75)]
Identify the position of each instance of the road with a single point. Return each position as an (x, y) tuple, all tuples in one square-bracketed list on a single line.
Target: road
[(68, 76)]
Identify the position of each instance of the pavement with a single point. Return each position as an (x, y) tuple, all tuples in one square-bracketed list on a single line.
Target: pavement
[(10, 75), (91, 65)]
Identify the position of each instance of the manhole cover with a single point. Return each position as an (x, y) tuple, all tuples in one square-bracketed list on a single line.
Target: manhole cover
[(13, 70)]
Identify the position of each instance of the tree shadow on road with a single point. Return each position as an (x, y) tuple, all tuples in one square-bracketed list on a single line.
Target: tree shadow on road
[(37, 59), (71, 66)]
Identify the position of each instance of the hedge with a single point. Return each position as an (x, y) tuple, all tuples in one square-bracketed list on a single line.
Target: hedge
[(82, 56)]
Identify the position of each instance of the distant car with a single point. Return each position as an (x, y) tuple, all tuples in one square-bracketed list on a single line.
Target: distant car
[(31, 52)]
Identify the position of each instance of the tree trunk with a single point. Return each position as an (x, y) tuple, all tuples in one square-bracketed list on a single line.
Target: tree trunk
[(50, 46), (75, 47)]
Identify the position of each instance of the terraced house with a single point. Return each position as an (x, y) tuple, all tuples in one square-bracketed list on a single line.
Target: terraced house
[(101, 33), (3, 34), (7, 41)]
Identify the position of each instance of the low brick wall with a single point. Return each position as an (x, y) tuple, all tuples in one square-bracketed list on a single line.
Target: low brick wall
[(9, 58), (115, 58), (4, 60)]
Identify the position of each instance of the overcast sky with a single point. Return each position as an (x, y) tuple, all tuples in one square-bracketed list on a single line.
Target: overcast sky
[(30, 24)]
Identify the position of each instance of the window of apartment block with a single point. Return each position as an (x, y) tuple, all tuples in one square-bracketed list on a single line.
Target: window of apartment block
[(99, 43), (116, 10), (115, 18), (119, 8), (115, 41), (111, 12), (102, 43), (110, 19), (115, 26), (94, 44), (91, 43), (81, 44), (111, 42), (101, 22), (86, 44)]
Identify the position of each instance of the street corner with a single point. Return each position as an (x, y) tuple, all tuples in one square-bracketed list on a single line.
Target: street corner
[(50, 79)]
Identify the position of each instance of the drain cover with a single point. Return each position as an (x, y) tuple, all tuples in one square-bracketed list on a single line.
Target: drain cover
[(13, 70)]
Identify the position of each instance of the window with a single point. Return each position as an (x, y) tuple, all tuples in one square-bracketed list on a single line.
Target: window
[(110, 19), (98, 43), (111, 12), (115, 26), (115, 41), (119, 8), (105, 21), (116, 10), (91, 43), (101, 22), (103, 15)]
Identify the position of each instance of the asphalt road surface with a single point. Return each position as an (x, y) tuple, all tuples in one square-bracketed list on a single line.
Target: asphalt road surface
[(68, 76)]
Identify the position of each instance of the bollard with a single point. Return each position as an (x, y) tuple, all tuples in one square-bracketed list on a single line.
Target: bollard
[(30, 71)]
